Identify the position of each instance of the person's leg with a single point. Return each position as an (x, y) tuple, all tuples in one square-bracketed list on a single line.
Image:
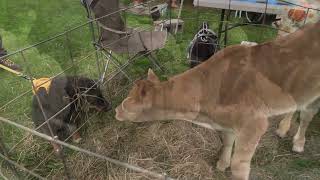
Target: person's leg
[(6, 62), (3, 52)]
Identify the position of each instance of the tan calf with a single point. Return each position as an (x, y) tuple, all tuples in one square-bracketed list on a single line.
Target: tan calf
[(236, 91)]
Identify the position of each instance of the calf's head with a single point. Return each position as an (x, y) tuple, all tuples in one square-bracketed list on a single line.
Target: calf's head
[(138, 105)]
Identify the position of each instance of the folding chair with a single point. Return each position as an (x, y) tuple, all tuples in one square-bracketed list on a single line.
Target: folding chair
[(114, 37)]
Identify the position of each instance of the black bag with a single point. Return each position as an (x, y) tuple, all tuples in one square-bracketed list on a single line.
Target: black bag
[(203, 45)]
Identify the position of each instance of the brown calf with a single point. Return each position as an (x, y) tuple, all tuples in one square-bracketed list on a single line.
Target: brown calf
[(236, 91)]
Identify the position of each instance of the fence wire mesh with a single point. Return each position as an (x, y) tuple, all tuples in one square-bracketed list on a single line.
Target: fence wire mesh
[(77, 52)]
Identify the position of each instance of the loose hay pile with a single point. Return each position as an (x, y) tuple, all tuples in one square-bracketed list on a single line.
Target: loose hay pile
[(180, 149)]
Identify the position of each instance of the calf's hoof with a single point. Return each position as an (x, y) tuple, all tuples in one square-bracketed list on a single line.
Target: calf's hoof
[(222, 165), (298, 145), (280, 133), (297, 149)]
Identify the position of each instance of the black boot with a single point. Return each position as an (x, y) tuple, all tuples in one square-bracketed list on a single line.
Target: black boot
[(6, 62), (10, 64)]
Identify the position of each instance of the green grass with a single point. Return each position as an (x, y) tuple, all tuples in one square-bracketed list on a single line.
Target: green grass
[(24, 22)]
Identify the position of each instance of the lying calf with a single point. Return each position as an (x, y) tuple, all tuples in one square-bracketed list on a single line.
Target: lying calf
[(54, 95), (236, 91)]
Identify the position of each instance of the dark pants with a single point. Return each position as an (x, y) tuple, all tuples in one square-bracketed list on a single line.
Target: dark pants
[(7, 62), (3, 52)]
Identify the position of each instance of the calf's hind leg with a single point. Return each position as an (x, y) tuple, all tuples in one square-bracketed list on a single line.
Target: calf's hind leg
[(246, 142), (225, 157), (299, 139)]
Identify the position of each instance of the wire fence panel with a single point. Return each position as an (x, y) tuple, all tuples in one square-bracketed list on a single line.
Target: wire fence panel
[(79, 51)]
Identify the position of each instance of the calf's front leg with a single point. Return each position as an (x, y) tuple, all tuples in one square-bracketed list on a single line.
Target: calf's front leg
[(246, 142)]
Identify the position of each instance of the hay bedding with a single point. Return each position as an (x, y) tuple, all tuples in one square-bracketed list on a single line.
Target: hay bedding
[(178, 148)]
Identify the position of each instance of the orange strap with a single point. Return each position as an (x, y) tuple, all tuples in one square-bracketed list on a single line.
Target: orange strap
[(42, 82)]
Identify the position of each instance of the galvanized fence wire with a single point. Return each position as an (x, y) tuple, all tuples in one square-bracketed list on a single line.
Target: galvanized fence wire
[(66, 33), (49, 79), (119, 69), (52, 152), (73, 65), (82, 59), (20, 166), (298, 5), (226, 25), (77, 130), (3, 150), (2, 175), (229, 24), (20, 96), (75, 28), (104, 82), (90, 153), (113, 74)]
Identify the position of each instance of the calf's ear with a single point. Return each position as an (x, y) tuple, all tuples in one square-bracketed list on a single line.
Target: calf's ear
[(143, 87), (145, 94), (152, 76), (144, 90)]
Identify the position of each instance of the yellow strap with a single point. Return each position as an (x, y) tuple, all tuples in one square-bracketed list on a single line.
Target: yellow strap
[(38, 83), (10, 70), (41, 82)]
